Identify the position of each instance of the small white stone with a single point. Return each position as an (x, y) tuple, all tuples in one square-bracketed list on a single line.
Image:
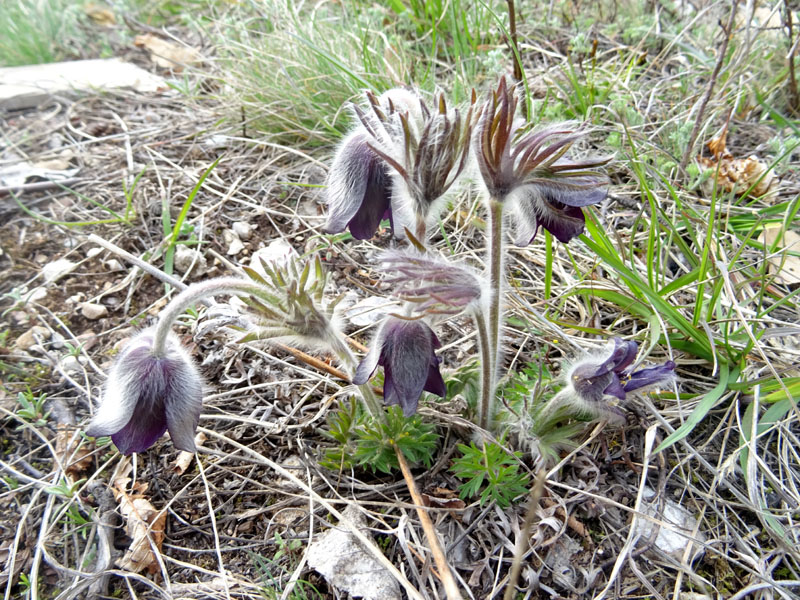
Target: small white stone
[(55, 270), (92, 252), (93, 311), (678, 528), (72, 363), (243, 229), (113, 265), (188, 258), (235, 245), (38, 294), (28, 339), (278, 254)]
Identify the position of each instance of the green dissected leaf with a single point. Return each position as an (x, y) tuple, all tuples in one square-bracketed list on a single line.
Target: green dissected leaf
[(492, 466)]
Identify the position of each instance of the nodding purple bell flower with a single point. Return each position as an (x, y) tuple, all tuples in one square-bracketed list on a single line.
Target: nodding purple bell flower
[(406, 351), (591, 379), (531, 172), (146, 395), (359, 189)]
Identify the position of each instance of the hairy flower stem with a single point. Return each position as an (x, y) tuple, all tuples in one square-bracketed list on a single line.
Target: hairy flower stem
[(367, 394), (484, 408), (191, 295), (495, 302)]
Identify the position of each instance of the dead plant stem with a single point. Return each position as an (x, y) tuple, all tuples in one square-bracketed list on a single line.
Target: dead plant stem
[(525, 533), (450, 586), (723, 50)]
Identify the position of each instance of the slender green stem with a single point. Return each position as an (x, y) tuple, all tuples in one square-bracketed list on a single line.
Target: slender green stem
[(487, 375)]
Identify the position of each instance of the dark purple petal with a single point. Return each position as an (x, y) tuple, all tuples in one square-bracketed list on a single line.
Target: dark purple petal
[(359, 189), (615, 389), (537, 205), (623, 354), (145, 395), (183, 413), (578, 196), (376, 204), (564, 222), (142, 431), (410, 365), (651, 376), (369, 363), (435, 383)]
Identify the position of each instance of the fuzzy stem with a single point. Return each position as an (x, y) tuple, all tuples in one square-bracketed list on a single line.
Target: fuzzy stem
[(495, 296), (450, 585), (367, 393), (191, 295), (484, 409)]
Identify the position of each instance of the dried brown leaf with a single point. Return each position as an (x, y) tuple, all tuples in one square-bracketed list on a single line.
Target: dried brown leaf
[(185, 458), (737, 175), (166, 54), (143, 524), (100, 15)]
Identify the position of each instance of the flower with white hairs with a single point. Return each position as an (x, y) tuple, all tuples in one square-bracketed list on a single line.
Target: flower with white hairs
[(148, 393)]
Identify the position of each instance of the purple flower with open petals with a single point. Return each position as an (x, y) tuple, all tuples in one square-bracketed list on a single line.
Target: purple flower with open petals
[(592, 379), (146, 395), (529, 170), (359, 189), (406, 351)]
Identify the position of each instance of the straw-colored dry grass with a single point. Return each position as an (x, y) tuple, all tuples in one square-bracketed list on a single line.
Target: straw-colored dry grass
[(239, 527)]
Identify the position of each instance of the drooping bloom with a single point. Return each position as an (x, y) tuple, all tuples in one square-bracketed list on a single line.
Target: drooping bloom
[(592, 379), (426, 149), (432, 284), (530, 172), (146, 395), (359, 189), (406, 351)]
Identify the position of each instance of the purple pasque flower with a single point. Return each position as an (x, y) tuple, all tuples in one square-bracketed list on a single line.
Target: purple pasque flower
[(406, 351), (146, 395), (432, 284), (530, 170), (426, 148), (359, 188), (591, 379)]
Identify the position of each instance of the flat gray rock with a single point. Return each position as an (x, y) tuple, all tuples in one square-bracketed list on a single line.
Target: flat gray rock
[(29, 85)]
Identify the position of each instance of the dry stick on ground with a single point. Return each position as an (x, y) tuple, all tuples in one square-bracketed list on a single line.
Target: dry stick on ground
[(711, 83), (450, 586), (795, 98), (525, 533)]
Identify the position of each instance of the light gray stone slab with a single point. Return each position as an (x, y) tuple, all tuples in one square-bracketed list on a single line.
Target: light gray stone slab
[(28, 86)]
